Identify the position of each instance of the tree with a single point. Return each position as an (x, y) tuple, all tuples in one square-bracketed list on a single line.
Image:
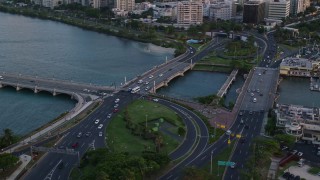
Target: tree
[(195, 173), (285, 139), (7, 161)]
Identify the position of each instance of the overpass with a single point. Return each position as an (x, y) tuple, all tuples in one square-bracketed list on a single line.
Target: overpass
[(223, 90), (38, 84)]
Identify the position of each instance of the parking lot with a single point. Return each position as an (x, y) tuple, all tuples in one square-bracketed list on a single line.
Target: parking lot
[(302, 172)]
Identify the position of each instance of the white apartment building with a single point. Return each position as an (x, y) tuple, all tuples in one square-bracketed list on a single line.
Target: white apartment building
[(125, 5), (278, 9), (220, 11), (189, 12), (300, 122)]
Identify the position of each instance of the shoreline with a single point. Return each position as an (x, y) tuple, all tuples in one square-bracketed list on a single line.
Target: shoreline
[(97, 27)]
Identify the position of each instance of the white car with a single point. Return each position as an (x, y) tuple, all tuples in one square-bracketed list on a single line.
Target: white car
[(300, 154), (146, 83), (117, 100), (109, 115), (151, 76), (228, 133), (116, 105), (97, 121), (155, 100), (100, 134), (160, 75), (100, 126)]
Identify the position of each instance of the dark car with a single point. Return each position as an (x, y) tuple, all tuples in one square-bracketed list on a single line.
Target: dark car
[(297, 178), (286, 174), (115, 110), (75, 145)]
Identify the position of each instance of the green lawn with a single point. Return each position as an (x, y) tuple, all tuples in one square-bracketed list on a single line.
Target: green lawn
[(314, 170), (119, 138), (212, 68), (141, 110)]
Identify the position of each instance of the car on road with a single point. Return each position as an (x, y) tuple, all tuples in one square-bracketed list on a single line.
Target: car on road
[(259, 74), (97, 121), (100, 126), (109, 115), (61, 147), (251, 94), (241, 121), (155, 100), (140, 81), (147, 88), (117, 100), (250, 112), (228, 132), (88, 134), (300, 154), (284, 148), (151, 76), (115, 110), (294, 151), (75, 145), (116, 105), (100, 134), (146, 83), (233, 165), (79, 135), (241, 113), (160, 75)]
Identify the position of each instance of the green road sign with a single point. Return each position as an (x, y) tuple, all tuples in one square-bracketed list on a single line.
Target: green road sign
[(221, 163), (228, 163)]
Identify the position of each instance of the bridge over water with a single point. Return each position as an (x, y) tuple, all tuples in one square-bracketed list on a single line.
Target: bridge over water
[(53, 86)]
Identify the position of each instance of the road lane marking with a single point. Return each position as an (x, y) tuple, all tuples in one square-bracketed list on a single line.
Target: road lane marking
[(86, 126), (59, 177), (169, 176), (82, 145), (203, 157)]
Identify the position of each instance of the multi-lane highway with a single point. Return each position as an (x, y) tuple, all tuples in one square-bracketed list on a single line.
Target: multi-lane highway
[(48, 167)]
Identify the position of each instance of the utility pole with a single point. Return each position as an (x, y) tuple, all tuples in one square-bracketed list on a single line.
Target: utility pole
[(211, 163)]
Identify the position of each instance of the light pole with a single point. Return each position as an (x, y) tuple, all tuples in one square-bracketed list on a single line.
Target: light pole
[(211, 163)]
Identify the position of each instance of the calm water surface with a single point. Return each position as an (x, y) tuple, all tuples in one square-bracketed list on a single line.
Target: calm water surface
[(55, 50)]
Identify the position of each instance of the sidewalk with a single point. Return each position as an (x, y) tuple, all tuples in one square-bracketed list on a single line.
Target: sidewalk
[(81, 105), (25, 159)]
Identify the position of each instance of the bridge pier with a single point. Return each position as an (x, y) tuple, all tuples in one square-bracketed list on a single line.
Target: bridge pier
[(18, 88), (54, 92), (36, 90)]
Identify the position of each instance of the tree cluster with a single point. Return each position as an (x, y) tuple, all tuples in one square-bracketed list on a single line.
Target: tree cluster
[(102, 164), (7, 138)]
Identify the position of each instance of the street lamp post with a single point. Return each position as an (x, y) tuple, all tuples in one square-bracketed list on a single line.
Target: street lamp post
[(211, 163)]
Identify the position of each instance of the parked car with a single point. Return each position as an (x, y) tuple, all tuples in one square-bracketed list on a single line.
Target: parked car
[(75, 145), (100, 126), (100, 134), (97, 121)]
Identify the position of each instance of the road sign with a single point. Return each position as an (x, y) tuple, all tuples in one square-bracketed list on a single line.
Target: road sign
[(238, 135), (221, 163), (229, 163)]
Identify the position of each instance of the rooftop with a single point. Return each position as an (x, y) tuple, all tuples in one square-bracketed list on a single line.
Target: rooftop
[(298, 113), (296, 62)]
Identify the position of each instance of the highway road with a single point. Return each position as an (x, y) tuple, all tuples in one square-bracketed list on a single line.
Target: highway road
[(47, 168)]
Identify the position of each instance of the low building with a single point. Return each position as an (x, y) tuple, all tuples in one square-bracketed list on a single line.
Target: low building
[(299, 121), (296, 67)]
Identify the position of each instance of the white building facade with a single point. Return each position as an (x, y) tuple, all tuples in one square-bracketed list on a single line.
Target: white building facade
[(278, 9), (189, 13)]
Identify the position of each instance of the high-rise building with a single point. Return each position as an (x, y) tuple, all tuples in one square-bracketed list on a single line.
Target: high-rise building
[(279, 9), (220, 11), (189, 12), (125, 5), (253, 12)]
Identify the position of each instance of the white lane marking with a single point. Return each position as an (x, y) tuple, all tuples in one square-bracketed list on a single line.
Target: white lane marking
[(63, 143), (86, 126), (203, 157), (59, 177), (82, 145), (169, 176)]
